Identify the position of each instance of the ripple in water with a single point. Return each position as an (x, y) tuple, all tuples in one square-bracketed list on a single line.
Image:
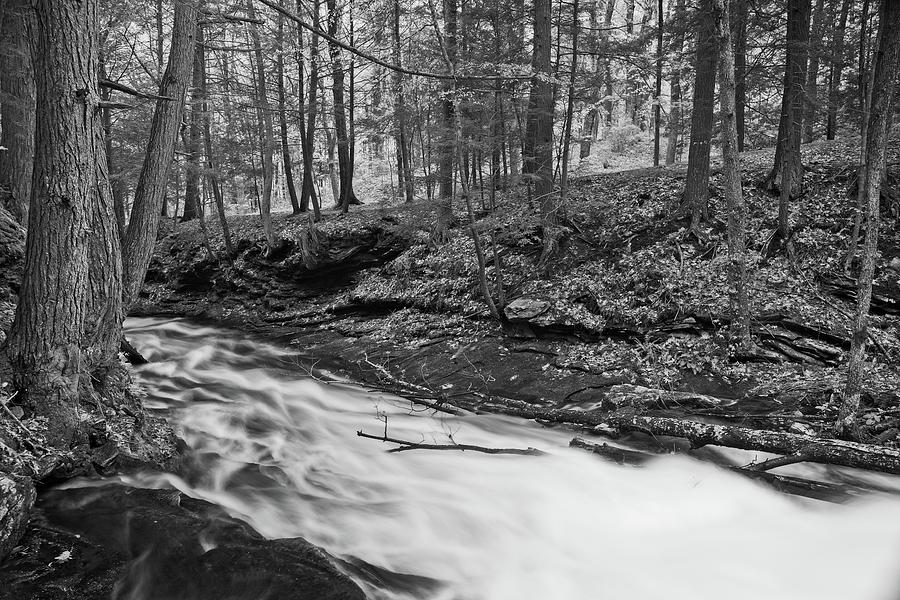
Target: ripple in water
[(280, 450)]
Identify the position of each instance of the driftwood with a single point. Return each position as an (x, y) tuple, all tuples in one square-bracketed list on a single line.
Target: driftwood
[(783, 483), (403, 445)]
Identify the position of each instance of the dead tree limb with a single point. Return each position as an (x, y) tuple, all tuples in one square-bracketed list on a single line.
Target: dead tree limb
[(120, 87), (404, 445)]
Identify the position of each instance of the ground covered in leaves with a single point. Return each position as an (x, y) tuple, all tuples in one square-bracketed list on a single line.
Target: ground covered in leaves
[(634, 300)]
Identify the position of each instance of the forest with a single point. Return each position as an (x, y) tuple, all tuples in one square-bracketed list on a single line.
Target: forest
[(279, 279)]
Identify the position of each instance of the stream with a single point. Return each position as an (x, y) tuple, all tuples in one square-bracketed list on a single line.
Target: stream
[(278, 448)]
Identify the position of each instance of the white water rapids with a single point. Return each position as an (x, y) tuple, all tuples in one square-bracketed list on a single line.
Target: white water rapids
[(279, 449)]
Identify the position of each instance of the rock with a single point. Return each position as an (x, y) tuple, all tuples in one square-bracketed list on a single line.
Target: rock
[(117, 541), (16, 499), (525, 309)]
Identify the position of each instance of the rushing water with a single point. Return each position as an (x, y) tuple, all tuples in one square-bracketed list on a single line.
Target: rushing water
[(279, 449)]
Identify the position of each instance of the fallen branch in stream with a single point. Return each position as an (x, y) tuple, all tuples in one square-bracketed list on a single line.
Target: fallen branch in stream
[(789, 485), (404, 445)]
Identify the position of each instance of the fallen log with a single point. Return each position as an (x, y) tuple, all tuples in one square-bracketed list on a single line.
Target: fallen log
[(785, 484), (813, 449)]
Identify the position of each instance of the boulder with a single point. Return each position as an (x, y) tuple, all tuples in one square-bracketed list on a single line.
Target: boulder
[(525, 309), (123, 542), (16, 499)]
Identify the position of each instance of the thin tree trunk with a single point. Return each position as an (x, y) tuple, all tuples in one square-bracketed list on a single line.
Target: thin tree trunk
[(731, 170), (590, 126), (816, 48), (696, 193), (885, 66), (444, 204), (657, 98), (675, 118), (340, 111), (193, 142), (282, 119), (151, 186), (17, 108), (740, 10), (309, 192), (570, 106), (836, 70), (266, 132), (404, 172), (607, 63)]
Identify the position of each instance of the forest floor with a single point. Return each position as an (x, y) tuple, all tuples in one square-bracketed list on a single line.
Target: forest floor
[(634, 315)]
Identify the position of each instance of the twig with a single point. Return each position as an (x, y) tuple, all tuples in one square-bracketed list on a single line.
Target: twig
[(407, 445), (781, 461)]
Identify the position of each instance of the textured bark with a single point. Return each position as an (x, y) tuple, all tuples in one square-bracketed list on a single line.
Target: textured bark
[(404, 170), (266, 131), (607, 64), (836, 70), (193, 141), (657, 90), (538, 150), (447, 146), (282, 119), (731, 171), (308, 192), (740, 10), (884, 80), (570, 106), (591, 125), (675, 118), (150, 191), (696, 192), (345, 164), (816, 49), (790, 125), (17, 496), (47, 340), (17, 108)]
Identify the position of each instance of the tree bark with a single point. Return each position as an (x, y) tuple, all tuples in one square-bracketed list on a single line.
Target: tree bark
[(790, 126), (538, 150), (345, 165), (308, 191), (193, 141), (447, 136), (740, 10), (282, 119), (46, 345), (696, 192), (816, 49), (836, 70), (570, 106), (657, 91), (731, 170), (266, 132), (17, 108), (404, 170), (884, 80), (675, 118), (149, 194)]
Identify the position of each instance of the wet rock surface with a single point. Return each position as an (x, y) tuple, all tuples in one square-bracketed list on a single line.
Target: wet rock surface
[(120, 542), (16, 498)]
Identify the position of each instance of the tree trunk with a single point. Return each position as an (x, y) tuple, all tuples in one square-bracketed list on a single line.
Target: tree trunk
[(266, 132), (212, 170), (570, 105), (696, 192), (340, 112), (731, 171), (607, 63), (404, 171), (884, 80), (591, 125), (675, 118), (48, 345), (538, 150), (17, 108), (816, 49), (740, 10), (657, 91), (282, 119), (140, 238), (193, 142), (447, 138), (308, 192), (836, 69), (787, 151)]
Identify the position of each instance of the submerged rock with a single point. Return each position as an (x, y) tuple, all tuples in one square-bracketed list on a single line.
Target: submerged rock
[(121, 542), (16, 499)]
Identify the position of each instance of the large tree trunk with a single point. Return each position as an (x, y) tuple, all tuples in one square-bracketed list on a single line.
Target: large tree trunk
[(675, 118), (47, 342), (538, 150), (731, 171), (787, 150), (17, 108), (282, 120), (696, 192), (836, 69), (884, 80), (345, 164), (193, 141), (150, 192), (266, 132)]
